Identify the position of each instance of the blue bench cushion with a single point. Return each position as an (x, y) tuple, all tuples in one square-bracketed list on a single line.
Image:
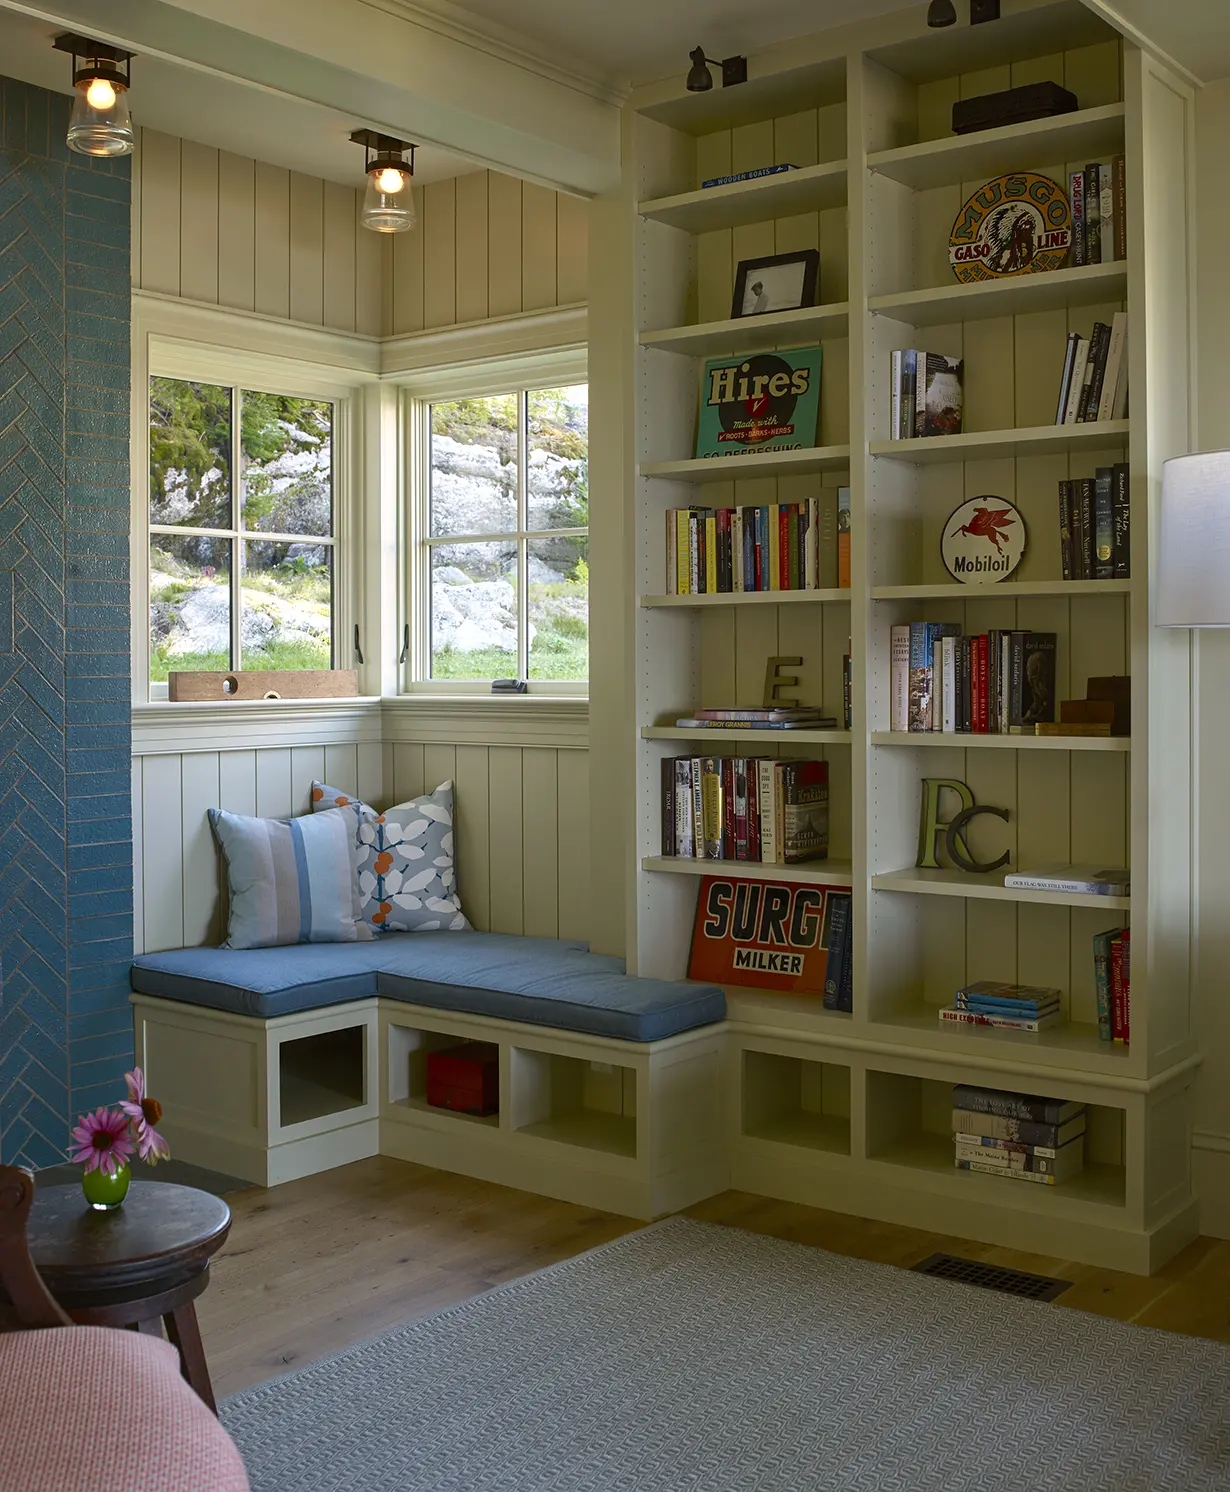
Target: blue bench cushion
[(538, 981)]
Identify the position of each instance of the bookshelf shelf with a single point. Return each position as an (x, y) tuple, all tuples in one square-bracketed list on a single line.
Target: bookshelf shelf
[(987, 888), (988, 445), (879, 211), (1061, 290), (754, 333), (1087, 134), (747, 598), (763, 738), (816, 873), (811, 189), (1005, 590), (1000, 743), (770, 464)]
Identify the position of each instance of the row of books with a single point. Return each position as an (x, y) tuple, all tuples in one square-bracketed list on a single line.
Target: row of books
[(745, 808), (928, 394), (1019, 1136), (1007, 1007), (1094, 385), (996, 683), (1098, 195), (839, 967), (1112, 978), (1095, 523), (777, 547)]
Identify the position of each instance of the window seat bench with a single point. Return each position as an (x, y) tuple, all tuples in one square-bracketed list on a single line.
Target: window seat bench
[(281, 1062)]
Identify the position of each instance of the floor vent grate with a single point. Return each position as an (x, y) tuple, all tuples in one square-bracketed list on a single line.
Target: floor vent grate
[(992, 1277)]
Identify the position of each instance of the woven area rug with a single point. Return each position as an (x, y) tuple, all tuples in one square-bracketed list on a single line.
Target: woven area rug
[(690, 1356)]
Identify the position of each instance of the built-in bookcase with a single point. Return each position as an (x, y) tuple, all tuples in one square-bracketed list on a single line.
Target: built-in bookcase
[(847, 1110)]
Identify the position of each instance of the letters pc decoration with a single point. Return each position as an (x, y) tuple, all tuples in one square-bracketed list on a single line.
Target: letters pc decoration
[(1019, 224), (983, 541), (769, 934), (935, 833), (766, 402)]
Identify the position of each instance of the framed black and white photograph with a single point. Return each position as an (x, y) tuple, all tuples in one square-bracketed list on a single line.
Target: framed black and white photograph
[(782, 282)]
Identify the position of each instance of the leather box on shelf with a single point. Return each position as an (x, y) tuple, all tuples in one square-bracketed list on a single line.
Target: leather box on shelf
[(1014, 106), (465, 1078)]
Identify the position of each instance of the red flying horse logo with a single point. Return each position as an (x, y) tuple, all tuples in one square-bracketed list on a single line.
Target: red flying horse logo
[(987, 523)]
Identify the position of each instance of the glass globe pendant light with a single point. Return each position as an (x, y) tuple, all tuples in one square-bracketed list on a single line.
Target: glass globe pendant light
[(100, 123), (388, 201)]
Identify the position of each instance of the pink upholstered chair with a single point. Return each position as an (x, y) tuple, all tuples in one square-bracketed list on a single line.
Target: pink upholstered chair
[(89, 1408)]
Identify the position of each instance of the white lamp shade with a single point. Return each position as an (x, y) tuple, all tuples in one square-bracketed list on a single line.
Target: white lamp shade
[(1193, 570)]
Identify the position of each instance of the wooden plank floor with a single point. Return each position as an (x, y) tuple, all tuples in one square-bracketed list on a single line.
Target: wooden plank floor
[(314, 1265)]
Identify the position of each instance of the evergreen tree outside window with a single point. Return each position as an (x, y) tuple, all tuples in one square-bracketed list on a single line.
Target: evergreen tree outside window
[(506, 553), (241, 529)]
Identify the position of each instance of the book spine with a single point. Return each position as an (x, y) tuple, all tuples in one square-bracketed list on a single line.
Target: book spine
[(736, 549), (698, 807), (1119, 174), (1123, 521), (694, 545), (1076, 195), (899, 681), (1114, 366), (1106, 211), (984, 678), (779, 813), (739, 799), (998, 1127), (847, 689), (898, 428), (1016, 682), (672, 556), (1079, 364), (1065, 383), (711, 553), (753, 809), (728, 808), (843, 538), (1088, 490), (683, 580), (1093, 215), (1018, 1158), (990, 1169), (712, 809), (670, 846), (1117, 1022), (826, 541), (1104, 524), (1101, 983), (1065, 528), (909, 398), (812, 567), (775, 548), (948, 685), (789, 544), (1071, 886), (839, 918), (683, 808), (1126, 980), (1002, 1105), (1031, 1008), (975, 690), (1095, 374), (767, 812), (1014, 1147), (1000, 1022), (1119, 410)]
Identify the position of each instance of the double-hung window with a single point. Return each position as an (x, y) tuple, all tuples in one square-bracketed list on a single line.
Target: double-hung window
[(502, 542), (242, 528)]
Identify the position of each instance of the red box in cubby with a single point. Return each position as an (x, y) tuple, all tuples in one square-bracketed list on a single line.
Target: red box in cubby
[(465, 1078)]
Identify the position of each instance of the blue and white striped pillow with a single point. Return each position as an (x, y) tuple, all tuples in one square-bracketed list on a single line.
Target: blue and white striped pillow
[(290, 880)]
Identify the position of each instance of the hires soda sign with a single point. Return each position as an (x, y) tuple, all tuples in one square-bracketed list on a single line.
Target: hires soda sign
[(768, 934)]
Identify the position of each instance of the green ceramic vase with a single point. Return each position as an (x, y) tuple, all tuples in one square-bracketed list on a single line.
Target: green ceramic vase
[(105, 1190)]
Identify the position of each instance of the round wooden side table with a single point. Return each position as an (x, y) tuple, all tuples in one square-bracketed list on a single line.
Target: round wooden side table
[(139, 1266)]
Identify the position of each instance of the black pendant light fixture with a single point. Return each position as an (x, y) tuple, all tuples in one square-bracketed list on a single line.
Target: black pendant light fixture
[(100, 123), (700, 79), (388, 202), (941, 13)]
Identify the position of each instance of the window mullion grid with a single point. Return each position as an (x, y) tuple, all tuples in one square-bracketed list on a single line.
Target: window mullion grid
[(237, 519), (523, 568)]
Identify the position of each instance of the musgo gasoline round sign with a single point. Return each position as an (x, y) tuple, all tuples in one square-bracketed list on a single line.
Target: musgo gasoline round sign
[(1015, 225), (983, 541)]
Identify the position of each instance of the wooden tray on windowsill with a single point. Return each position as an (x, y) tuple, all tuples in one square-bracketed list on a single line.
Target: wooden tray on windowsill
[(263, 683)]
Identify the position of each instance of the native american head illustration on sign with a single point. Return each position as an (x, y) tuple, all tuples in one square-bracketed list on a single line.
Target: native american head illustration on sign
[(1017, 224), (983, 541)]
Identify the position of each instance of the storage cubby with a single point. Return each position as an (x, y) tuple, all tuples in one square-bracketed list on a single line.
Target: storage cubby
[(322, 1074), (407, 1079), (573, 1101), (795, 1101)]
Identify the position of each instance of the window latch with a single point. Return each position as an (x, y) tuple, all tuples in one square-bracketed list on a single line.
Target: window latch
[(405, 645), (358, 651)]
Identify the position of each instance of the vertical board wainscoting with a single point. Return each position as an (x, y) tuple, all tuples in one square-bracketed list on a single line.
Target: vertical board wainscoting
[(66, 866)]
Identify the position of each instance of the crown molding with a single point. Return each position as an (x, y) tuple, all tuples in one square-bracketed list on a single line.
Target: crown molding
[(502, 339), (459, 25)]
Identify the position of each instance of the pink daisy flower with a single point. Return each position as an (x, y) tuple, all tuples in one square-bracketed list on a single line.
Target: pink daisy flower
[(100, 1141), (144, 1113)]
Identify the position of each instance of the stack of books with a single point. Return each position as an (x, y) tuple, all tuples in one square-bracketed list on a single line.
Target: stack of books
[(1099, 212), (1007, 1007), (777, 547), (1112, 977), (745, 808), (1095, 520), (928, 394), (997, 683), (1017, 1135), (802, 718), (1094, 384), (839, 970)]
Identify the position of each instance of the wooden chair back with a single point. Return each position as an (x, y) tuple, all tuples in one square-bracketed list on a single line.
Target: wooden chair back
[(29, 1303)]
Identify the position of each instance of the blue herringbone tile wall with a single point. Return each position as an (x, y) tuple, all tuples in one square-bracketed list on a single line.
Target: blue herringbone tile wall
[(65, 813)]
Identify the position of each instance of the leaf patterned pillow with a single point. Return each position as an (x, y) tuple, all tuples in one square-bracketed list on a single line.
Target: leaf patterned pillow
[(407, 873)]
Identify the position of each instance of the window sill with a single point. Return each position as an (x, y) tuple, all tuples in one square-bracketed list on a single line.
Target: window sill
[(559, 720)]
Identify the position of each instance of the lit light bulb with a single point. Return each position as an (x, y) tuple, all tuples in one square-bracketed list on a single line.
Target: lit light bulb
[(100, 95), (390, 181)]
